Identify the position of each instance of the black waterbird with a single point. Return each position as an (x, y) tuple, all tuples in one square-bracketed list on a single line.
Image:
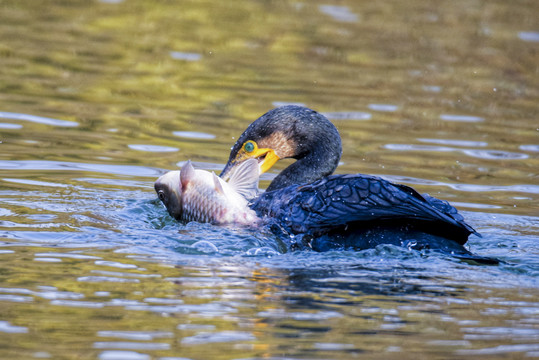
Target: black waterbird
[(314, 209)]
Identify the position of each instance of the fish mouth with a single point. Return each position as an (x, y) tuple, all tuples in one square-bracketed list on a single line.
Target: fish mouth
[(266, 159), (261, 159)]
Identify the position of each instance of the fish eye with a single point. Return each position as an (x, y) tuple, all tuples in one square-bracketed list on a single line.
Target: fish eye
[(249, 146), (161, 195)]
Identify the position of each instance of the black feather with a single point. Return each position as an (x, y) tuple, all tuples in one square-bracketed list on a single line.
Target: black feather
[(358, 202)]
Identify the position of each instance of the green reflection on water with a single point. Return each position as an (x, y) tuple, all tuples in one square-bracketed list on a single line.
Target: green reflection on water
[(114, 69), (230, 309), (109, 67)]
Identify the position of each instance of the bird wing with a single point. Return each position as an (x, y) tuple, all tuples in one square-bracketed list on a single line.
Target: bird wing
[(342, 199)]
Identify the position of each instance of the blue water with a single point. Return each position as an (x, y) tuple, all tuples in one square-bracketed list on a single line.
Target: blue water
[(109, 222), (98, 99)]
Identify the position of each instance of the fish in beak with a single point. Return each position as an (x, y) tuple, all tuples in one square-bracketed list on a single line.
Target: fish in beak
[(199, 195)]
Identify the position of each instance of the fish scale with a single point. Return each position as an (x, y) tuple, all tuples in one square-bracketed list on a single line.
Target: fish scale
[(198, 195), (196, 205)]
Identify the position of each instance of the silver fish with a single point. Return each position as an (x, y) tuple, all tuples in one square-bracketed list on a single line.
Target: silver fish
[(198, 195)]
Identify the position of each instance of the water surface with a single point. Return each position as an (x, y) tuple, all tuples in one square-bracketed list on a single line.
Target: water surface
[(99, 98)]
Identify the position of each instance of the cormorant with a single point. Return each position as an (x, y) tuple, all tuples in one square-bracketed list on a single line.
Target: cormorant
[(313, 209)]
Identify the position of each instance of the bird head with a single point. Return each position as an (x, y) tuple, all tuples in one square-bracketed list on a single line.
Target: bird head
[(288, 132)]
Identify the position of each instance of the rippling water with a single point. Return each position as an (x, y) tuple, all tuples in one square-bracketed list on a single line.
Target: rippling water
[(98, 99)]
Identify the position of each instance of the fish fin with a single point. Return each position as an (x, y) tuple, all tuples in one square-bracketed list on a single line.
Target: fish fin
[(245, 177), (187, 173), (217, 183)]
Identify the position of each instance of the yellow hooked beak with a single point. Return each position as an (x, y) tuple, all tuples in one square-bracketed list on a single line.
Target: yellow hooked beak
[(266, 158)]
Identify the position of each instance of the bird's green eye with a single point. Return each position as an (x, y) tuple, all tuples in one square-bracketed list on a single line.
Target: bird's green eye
[(249, 146)]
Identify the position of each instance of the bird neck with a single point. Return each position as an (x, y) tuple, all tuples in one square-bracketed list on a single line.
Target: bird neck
[(315, 165)]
